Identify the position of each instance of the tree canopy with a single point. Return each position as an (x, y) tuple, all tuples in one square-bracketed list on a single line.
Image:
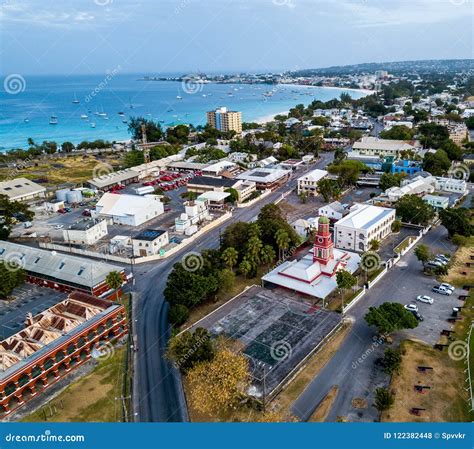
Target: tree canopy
[(390, 317)]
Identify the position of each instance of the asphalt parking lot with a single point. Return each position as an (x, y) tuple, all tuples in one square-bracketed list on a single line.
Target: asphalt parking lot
[(28, 298)]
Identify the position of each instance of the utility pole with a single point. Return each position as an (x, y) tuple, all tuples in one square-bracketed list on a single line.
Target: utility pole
[(146, 150)]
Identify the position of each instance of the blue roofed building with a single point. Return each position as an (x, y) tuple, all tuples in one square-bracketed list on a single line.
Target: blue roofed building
[(407, 167)]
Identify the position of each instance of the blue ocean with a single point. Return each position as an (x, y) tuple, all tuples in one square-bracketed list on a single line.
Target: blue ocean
[(89, 107)]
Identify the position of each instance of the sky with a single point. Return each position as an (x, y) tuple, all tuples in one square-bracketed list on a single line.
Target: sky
[(214, 36)]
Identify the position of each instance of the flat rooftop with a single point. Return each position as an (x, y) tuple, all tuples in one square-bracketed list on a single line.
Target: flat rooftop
[(210, 181), (149, 234), (84, 224)]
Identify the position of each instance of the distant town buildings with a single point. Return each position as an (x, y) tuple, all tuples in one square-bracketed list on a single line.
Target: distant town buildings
[(363, 224), (225, 120)]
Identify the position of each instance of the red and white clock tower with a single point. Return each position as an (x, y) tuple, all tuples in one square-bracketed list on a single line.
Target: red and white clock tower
[(323, 245)]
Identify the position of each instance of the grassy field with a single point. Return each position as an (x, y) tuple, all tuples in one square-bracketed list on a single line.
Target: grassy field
[(75, 169), (321, 413), (91, 398), (445, 401)]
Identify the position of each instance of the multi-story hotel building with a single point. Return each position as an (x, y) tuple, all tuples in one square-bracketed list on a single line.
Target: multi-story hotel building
[(53, 343), (225, 120)]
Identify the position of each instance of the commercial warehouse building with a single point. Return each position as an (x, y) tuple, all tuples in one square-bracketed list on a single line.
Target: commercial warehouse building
[(130, 210), (62, 272), (21, 189), (108, 181), (53, 343)]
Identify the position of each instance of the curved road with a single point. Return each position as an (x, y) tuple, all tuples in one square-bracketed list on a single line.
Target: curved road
[(158, 395)]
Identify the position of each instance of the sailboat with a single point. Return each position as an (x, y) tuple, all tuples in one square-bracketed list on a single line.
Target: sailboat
[(75, 101), (179, 97), (84, 116), (53, 120), (93, 125)]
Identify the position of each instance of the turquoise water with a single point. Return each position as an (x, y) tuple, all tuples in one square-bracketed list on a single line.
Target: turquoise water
[(28, 113)]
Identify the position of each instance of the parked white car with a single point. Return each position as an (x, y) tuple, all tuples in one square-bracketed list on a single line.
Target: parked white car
[(442, 256), (441, 290), (411, 307), (425, 298), (447, 286)]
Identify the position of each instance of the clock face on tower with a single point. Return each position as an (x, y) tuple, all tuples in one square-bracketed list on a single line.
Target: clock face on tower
[(320, 240)]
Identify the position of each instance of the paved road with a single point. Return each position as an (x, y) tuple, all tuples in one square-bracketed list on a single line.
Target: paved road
[(352, 367), (158, 393)]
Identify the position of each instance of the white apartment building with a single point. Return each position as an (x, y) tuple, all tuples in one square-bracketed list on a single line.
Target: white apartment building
[(308, 183), (149, 242), (87, 231), (363, 224)]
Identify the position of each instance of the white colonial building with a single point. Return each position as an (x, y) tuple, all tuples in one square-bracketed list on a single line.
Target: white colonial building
[(363, 224), (308, 183), (334, 210)]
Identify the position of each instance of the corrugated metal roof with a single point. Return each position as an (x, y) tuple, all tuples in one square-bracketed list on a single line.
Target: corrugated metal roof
[(64, 267)]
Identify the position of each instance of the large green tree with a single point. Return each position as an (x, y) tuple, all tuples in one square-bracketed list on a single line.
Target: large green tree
[(457, 221), (12, 275), (412, 209), (190, 348), (390, 317), (9, 211)]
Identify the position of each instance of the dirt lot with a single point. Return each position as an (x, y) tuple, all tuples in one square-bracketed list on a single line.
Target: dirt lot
[(92, 398), (458, 266), (75, 169), (444, 402)]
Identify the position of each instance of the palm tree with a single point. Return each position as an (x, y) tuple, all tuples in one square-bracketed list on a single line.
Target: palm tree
[(229, 257), (245, 267), (114, 280), (282, 240), (253, 249), (374, 245), (267, 254)]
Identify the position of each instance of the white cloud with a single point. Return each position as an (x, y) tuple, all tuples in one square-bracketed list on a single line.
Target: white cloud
[(64, 14), (380, 13)]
